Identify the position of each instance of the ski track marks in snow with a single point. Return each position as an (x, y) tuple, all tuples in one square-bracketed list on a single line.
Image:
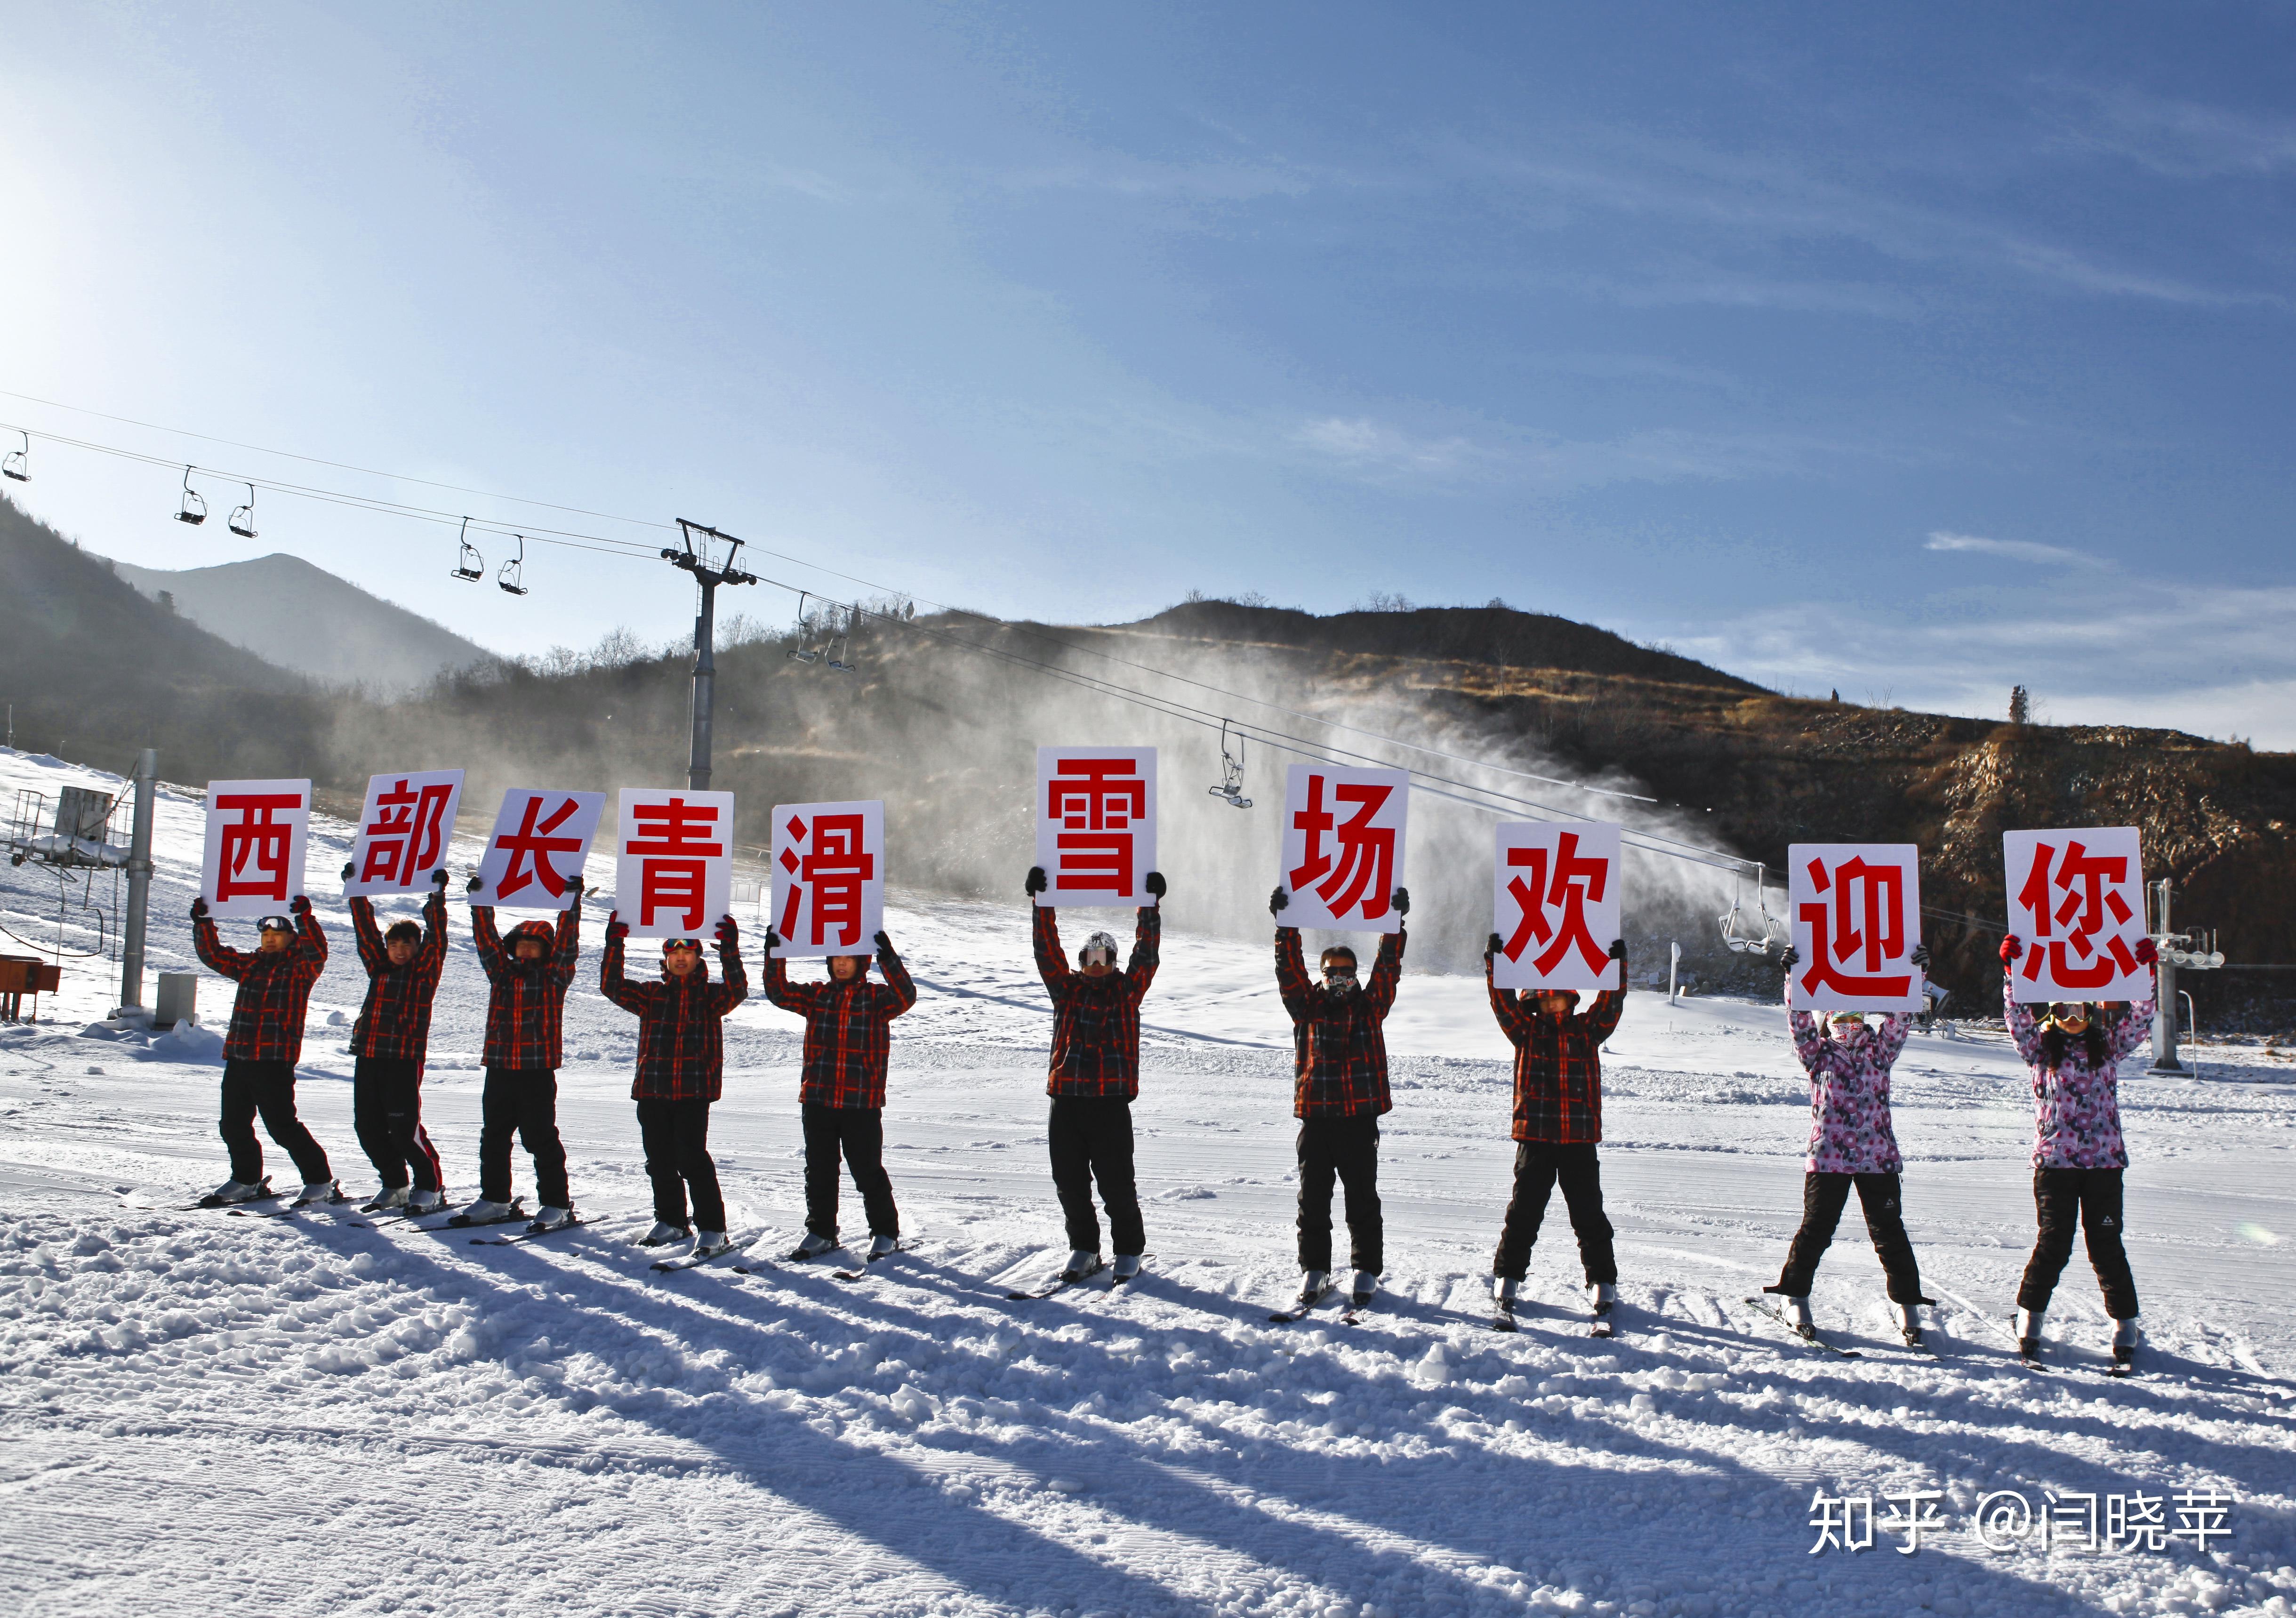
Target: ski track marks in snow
[(300, 1416)]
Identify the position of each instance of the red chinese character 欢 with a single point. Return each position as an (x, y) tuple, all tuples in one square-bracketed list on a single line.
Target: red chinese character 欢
[(258, 836), (1575, 883), (2083, 877), (530, 847), (833, 871), (1866, 916), (677, 841), (1098, 803), (1367, 856), (408, 835)]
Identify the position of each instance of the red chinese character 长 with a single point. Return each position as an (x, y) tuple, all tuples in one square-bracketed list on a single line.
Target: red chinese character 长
[(530, 847), (256, 837)]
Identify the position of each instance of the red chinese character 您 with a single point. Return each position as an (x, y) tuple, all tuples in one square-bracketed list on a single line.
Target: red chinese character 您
[(833, 871), (259, 836), (1866, 916), (2083, 877), (407, 836), (530, 847), (1574, 884), (678, 841), (1366, 852), (1098, 803)]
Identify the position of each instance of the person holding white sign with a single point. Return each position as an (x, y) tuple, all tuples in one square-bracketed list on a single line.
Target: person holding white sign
[(2078, 1154), (260, 1051), (526, 976), (389, 1043), (1851, 1144), (1339, 1092)]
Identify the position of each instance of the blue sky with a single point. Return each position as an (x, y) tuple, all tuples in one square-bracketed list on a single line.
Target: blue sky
[(1912, 354)]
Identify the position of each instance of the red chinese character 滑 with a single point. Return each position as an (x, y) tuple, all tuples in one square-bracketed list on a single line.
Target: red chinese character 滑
[(1098, 802), (833, 871), (1575, 883), (259, 836), (1866, 916), (1366, 857), (678, 842), (530, 847), (2083, 877), (407, 836)]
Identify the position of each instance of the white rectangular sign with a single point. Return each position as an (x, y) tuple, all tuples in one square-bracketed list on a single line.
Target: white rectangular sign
[(404, 831), (829, 877), (534, 855), (2077, 903), (1095, 824), (674, 868), (252, 864), (1554, 905), (1855, 911), (1343, 847)]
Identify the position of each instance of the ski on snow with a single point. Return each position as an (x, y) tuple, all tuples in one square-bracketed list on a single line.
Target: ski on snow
[(1059, 1283), (526, 1235), (1301, 1311), (693, 1259), (865, 1265), (1813, 1336)]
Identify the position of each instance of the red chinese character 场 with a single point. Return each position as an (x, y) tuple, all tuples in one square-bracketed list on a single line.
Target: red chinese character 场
[(1366, 857), (2088, 901), (408, 835), (1576, 882), (677, 842), (1098, 802), (530, 847), (835, 871), (1866, 917), (259, 836)]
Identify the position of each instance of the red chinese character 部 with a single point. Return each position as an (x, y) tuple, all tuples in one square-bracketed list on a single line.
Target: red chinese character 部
[(1865, 916), (1367, 852), (257, 836), (833, 871), (1098, 803), (408, 835), (2088, 901), (530, 847), (676, 843), (1574, 883)]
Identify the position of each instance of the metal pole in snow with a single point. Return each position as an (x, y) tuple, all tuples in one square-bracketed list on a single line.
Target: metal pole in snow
[(705, 683), (2164, 1006), (1673, 970), (139, 880)]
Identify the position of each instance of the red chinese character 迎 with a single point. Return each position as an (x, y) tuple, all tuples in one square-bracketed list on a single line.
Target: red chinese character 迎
[(258, 836), (1866, 916)]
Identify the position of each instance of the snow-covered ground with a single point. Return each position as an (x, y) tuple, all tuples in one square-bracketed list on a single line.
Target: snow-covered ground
[(202, 1412)]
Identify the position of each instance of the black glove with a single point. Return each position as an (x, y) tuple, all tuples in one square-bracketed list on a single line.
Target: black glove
[(1920, 956), (884, 944), (299, 905), (1278, 901), (1401, 900), (729, 932), (773, 941), (438, 879), (1494, 947), (474, 883), (1787, 962), (348, 868), (1618, 948), (1154, 883), (198, 910), (1035, 884), (617, 929)]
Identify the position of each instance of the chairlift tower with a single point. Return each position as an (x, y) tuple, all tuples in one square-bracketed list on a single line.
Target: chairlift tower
[(2176, 950), (707, 555)]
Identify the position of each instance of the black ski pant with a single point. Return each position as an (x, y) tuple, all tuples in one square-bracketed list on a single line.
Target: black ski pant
[(1348, 1149), (523, 1101), (268, 1088), (1538, 1166), (386, 1111), (676, 1135), (1091, 1138), (860, 1132), (1822, 1198), (2092, 1198)]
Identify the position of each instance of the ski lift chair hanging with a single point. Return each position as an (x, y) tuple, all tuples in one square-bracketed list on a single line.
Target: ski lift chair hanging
[(802, 652), (843, 638), (469, 567), (190, 508), (1753, 933), (241, 520), (18, 463), (1231, 787), (513, 576)]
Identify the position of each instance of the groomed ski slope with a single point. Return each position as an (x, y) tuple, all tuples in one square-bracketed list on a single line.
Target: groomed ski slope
[(206, 1413)]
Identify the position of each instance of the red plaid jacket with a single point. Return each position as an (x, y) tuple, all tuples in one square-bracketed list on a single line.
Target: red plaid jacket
[(1096, 1020), (846, 1039), (266, 1018), (528, 1001), (1342, 1055), (681, 1024), (395, 1022), (1558, 1063)]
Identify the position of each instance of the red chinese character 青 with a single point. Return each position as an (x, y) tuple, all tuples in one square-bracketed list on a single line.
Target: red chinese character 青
[(530, 847), (2082, 876), (406, 836), (1574, 883), (257, 836), (1866, 917), (1366, 852), (1098, 802), (833, 871), (678, 841)]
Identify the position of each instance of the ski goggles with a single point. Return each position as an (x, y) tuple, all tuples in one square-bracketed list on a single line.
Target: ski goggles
[(275, 924), (2069, 1014), (1100, 948), (1840, 1018), (1338, 972), (669, 944)]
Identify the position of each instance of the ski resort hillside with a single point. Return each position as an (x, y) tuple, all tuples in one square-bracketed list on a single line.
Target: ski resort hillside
[(213, 1409)]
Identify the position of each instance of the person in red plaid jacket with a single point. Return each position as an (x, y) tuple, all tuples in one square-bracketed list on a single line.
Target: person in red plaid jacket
[(527, 975), (1096, 1077), (264, 1043), (681, 1071), (1558, 1122), (387, 1044), (1339, 1092), (842, 1099)]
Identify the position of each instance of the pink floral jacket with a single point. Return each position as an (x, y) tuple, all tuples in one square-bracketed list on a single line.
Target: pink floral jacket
[(2076, 1107), (1849, 1129)]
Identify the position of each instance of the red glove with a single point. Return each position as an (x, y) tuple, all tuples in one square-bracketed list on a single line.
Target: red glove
[(299, 905), (2147, 952), (617, 929), (728, 934), (2011, 948)]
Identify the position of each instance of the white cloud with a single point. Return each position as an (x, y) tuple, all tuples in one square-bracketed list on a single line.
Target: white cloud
[(1369, 446), (2015, 550), (1376, 451), (2180, 139)]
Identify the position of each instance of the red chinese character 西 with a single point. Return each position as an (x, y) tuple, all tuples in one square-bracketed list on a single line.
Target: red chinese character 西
[(256, 837)]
